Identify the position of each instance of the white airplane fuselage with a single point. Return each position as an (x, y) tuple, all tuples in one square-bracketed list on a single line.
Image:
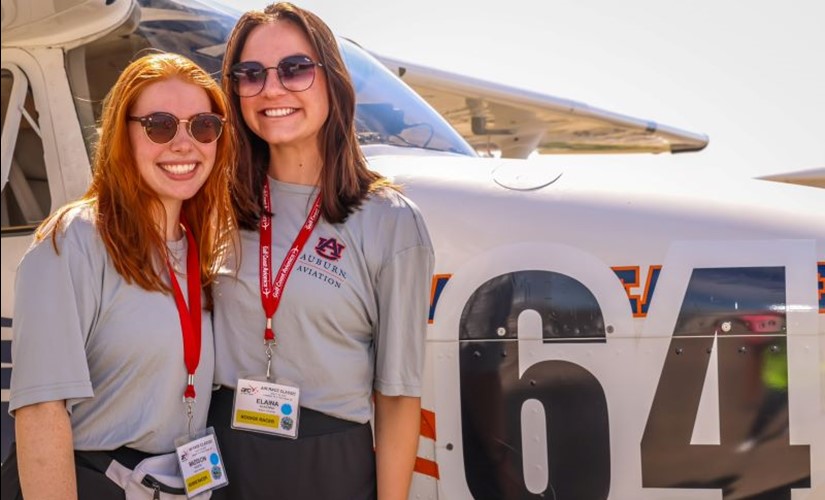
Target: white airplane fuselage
[(594, 333)]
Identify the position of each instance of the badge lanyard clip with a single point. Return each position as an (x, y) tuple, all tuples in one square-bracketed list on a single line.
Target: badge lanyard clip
[(189, 401), (270, 344), (190, 413)]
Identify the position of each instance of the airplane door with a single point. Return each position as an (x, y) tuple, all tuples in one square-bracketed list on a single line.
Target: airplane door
[(41, 170), (526, 366)]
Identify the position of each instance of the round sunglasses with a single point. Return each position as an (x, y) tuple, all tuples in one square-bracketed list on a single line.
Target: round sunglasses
[(161, 127), (296, 74)]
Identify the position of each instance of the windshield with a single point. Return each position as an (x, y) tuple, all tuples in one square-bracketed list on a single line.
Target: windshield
[(388, 113)]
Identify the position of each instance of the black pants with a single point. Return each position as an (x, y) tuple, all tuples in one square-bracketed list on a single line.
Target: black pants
[(92, 483), (331, 459)]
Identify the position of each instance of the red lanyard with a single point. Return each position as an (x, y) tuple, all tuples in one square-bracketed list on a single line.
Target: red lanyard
[(272, 291), (190, 318)]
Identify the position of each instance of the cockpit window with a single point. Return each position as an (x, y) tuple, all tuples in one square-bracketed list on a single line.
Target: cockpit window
[(389, 115)]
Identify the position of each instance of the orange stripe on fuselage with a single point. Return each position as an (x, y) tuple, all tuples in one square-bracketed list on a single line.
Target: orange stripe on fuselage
[(423, 465), (426, 467), (427, 424)]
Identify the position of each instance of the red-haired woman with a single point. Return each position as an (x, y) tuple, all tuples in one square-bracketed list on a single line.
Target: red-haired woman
[(112, 326)]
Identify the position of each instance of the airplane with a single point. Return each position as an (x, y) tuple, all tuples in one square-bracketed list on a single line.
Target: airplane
[(593, 333)]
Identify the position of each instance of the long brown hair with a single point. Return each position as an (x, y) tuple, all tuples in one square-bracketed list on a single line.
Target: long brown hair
[(345, 178), (126, 207)]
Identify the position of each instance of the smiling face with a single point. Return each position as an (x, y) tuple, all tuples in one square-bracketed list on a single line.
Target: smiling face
[(175, 170), (276, 115)]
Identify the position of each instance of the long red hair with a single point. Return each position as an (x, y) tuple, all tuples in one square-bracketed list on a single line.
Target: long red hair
[(126, 208)]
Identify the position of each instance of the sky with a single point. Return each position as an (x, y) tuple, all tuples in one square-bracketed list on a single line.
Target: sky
[(749, 74)]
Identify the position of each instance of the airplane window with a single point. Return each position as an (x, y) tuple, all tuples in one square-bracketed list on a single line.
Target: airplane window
[(92, 69), (389, 114), (25, 200), (757, 295), (186, 28), (569, 311)]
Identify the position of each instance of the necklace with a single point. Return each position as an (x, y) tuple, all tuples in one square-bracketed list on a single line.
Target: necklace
[(176, 250)]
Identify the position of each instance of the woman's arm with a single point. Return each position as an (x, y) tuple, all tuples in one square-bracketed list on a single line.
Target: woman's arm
[(45, 453), (397, 427)]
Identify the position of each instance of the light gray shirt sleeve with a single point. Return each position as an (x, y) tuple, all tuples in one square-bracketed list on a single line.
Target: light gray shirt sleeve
[(402, 291), (56, 303), (111, 349)]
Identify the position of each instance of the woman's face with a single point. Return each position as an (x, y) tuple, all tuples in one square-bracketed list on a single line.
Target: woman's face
[(177, 169), (281, 117)]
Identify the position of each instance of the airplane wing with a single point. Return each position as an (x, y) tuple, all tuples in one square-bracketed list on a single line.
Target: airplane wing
[(42, 24), (515, 122), (814, 177)]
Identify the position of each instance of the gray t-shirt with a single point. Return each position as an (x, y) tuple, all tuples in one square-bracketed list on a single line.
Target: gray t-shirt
[(353, 315), (112, 350)]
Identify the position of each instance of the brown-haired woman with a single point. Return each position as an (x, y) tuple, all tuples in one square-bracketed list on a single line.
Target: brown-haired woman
[(348, 327), (102, 357)]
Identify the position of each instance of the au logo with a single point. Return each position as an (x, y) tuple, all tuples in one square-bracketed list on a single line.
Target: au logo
[(329, 248)]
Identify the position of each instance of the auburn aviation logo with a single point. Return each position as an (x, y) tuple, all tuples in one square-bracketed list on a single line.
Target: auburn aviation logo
[(329, 248)]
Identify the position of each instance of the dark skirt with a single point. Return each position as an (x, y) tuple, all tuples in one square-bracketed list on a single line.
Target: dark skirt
[(331, 459)]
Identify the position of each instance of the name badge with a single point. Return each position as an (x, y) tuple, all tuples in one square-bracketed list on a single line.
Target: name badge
[(200, 463), (266, 407)]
